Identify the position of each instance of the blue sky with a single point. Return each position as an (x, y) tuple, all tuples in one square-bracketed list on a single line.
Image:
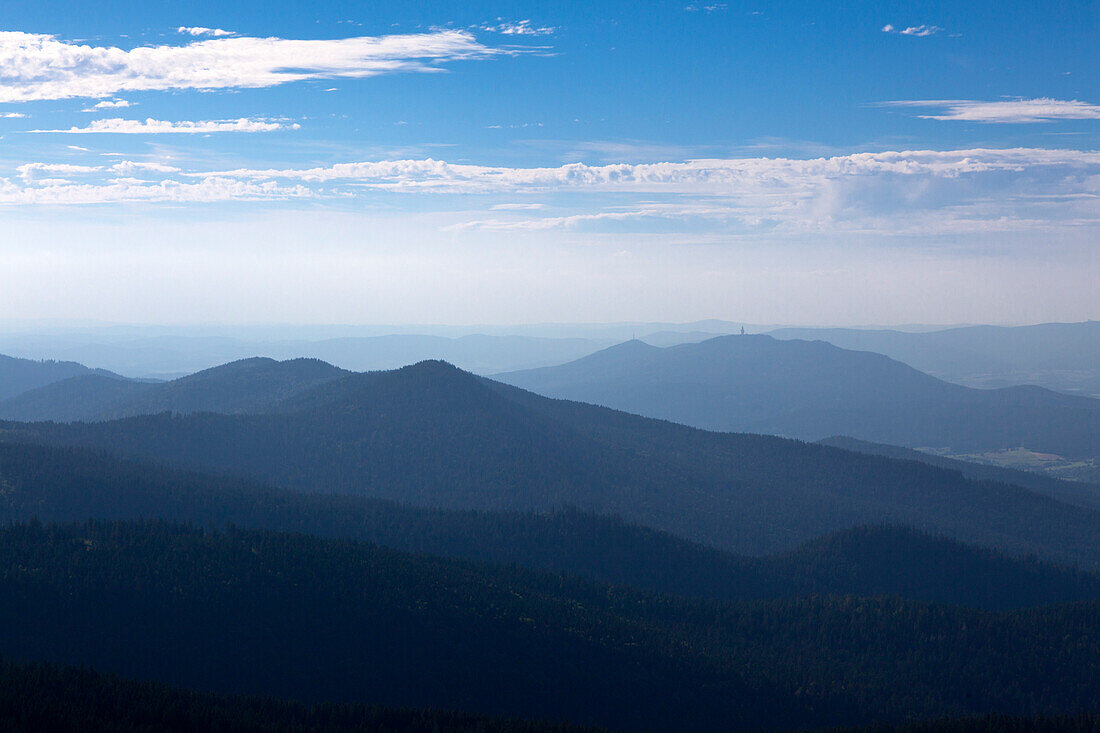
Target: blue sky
[(488, 162)]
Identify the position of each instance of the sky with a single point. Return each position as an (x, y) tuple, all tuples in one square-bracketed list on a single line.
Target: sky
[(477, 162)]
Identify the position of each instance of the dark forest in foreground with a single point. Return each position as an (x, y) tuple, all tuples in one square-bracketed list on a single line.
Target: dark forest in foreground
[(248, 612)]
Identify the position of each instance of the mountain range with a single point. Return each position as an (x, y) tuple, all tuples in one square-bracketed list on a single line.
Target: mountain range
[(1059, 356), (435, 436), (20, 375), (812, 390), (249, 385)]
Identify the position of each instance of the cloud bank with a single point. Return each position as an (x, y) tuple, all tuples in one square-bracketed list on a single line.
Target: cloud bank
[(891, 193)]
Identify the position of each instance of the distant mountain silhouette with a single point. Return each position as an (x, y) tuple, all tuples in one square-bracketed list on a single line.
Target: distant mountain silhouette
[(165, 355), (20, 375), (1059, 356), (432, 435), (72, 484), (812, 390), (1071, 492), (249, 385)]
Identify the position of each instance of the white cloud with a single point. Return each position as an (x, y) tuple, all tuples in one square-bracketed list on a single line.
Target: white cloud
[(1042, 109), (32, 171), (518, 28), (714, 176), (920, 31), (13, 115), (130, 167), (37, 66), (517, 207), (150, 126), (891, 193), (198, 30), (111, 104), (132, 190)]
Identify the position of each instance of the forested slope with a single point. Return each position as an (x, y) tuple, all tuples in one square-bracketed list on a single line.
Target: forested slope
[(293, 616), (65, 484)]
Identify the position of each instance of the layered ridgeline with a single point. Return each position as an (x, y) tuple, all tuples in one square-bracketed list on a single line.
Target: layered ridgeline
[(295, 616), (1072, 492), (813, 390), (1059, 356), (67, 484), (130, 351), (20, 375), (249, 385), (435, 436)]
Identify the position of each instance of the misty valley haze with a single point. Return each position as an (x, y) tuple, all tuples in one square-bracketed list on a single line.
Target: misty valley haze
[(545, 367)]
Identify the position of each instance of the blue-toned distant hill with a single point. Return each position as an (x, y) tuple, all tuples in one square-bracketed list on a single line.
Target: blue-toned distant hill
[(435, 436), (168, 356), (812, 390), (20, 375), (1058, 356), (249, 385)]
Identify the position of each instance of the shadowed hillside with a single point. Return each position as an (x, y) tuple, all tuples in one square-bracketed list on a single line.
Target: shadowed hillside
[(65, 484), (20, 375)]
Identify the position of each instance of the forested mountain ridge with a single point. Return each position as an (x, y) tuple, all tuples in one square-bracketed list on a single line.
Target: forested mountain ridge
[(433, 435), (290, 615), (65, 484), (20, 375), (812, 390), (1072, 492), (1059, 356), (246, 386)]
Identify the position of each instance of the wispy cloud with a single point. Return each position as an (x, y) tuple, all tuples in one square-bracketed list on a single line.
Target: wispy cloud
[(517, 28), (198, 30), (13, 115), (1042, 109), (118, 126), (920, 31), (517, 207), (37, 66)]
